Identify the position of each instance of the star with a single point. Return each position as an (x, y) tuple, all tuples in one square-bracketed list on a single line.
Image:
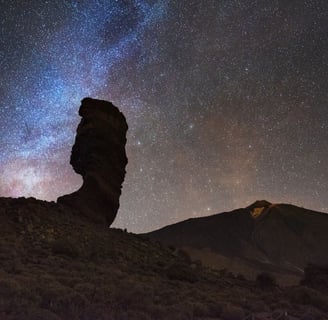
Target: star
[(225, 101)]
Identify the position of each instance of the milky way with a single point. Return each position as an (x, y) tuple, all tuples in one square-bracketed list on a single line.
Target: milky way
[(227, 101)]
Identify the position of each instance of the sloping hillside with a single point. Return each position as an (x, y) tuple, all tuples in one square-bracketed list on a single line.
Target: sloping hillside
[(279, 238), (55, 264)]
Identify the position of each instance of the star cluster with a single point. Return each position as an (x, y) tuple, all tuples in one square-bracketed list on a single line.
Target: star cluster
[(227, 101)]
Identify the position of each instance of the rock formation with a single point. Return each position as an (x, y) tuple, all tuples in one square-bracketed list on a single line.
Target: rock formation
[(98, 154)]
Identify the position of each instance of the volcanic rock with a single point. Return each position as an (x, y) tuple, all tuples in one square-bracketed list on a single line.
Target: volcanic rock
[(56, 265), (98, 154)]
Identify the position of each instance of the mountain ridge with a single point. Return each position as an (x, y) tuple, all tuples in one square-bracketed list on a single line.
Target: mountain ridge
[(56, 264), (281, 235)]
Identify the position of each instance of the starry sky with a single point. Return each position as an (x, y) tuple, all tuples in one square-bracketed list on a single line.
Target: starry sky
[(226, 100)]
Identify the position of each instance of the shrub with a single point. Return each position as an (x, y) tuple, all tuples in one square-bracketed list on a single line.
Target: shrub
[(131, 315), (68, 303), (212, 310), (308, 296), (215, 309), (240, 277), (184, 255), (15, 297), (9, 288), (181, 272), (223, 272), (200, 310), (10, 295), (181, 311), (65, 247), (41, 314), (231, 312), (266, 280), (315, 277)]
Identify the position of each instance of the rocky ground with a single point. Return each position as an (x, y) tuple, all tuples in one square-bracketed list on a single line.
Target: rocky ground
[(55, 264)]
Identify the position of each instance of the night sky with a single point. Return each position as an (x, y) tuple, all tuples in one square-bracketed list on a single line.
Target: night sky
[(226, 101)]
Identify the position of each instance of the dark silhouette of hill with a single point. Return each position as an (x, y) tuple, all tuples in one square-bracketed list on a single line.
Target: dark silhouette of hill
[(279, 238), (56, 264)]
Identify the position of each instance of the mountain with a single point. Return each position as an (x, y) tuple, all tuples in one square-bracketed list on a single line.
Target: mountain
[(55, 264), (279, 238)]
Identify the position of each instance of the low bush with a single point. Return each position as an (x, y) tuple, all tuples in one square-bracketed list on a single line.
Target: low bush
[(316, 277), (181, 272), (184, 255), (307, 296), (41, 314), (65, 247), (266, 280), (231, 312), (9, 288)]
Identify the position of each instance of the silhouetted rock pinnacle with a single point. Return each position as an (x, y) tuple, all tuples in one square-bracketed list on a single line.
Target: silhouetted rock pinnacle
[(99, 156)]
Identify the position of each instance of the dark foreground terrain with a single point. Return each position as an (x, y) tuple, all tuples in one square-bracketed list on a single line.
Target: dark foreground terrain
[(54, 264)]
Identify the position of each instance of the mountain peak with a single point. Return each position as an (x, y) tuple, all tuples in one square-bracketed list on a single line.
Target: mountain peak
[(258, 208), (259, 204)]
